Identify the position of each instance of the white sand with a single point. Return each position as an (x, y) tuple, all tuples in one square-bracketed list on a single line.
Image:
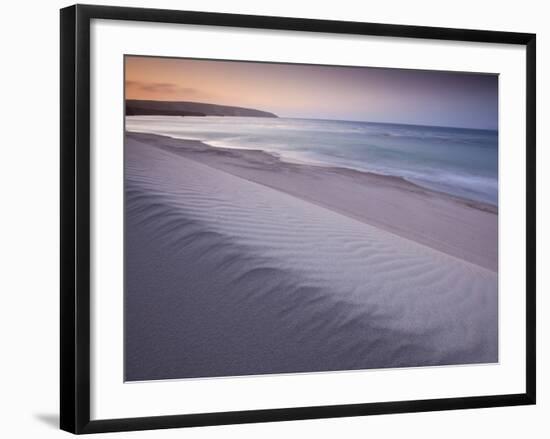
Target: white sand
[(462, 228), (225, 276)]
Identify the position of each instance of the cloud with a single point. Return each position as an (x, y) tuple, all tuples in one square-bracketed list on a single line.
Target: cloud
[(163, 87)]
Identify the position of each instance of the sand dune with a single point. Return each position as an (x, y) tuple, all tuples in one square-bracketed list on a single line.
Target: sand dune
[(462, 228), (225, 276)]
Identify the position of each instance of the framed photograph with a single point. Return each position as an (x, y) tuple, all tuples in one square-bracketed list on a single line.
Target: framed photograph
[(268, 218)]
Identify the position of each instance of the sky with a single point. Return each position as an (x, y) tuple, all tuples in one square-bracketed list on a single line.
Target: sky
[(419, 97)]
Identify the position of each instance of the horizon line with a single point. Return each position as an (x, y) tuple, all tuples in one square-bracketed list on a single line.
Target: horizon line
[(304, 118)]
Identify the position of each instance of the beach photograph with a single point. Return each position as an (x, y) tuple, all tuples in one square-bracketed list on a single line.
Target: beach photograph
[(297, 218)]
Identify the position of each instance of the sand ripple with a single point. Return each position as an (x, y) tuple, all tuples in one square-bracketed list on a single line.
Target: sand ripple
[(228, 277)]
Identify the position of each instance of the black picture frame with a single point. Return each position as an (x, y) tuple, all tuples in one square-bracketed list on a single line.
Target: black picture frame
[(75, 217)]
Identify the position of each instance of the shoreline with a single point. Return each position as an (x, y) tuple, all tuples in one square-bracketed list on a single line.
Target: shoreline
[(475, 204), (460, 227), (466, 184)]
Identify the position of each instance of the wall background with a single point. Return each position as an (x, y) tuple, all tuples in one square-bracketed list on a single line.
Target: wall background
[(29, 170)]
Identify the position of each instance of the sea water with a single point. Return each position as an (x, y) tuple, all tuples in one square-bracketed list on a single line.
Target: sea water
[(457, 161)]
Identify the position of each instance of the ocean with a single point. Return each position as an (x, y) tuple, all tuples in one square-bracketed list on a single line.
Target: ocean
[(457, 161)]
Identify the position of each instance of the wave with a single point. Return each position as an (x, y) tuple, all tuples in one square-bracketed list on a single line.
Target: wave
[(457, 161)]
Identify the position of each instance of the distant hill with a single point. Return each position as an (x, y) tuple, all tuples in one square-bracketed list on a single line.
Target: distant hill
[(166, 108)]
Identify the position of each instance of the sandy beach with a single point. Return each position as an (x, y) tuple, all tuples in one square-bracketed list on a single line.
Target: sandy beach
[(238, 263)]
